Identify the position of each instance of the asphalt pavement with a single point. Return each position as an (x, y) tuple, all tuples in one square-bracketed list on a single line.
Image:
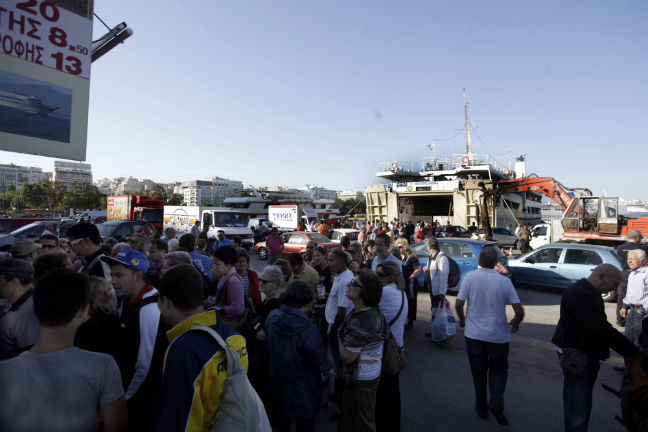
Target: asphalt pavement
[(436, 386)]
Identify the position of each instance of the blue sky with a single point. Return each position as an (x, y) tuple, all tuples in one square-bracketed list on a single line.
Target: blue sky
[(320, 92)]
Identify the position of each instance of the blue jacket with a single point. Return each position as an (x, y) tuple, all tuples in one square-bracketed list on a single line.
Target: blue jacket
[(296, 355)]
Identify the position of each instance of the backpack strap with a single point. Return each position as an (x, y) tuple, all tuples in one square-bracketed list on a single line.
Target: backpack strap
[(233, 362)]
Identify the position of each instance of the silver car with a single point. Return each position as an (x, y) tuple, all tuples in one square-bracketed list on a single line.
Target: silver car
[(558, 265)]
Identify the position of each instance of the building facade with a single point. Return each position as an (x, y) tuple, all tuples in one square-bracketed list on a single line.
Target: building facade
[(68, 172), (15, 175)]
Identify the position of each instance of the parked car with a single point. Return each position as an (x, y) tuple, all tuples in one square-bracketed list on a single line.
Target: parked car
[(120, 229), (504, 238), (32, 232), (463, 250), (558, 265), (452, 231), (337, 234), (295, 241)]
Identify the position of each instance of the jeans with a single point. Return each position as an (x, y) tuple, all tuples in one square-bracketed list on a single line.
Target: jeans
[(577, 398), (488, 364), (633, 325)]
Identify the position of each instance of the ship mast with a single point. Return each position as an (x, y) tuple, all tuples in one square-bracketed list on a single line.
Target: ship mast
[(468, 145)]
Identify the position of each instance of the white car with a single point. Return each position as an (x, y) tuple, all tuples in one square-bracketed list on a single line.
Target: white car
[(338, 233), (504, 238)]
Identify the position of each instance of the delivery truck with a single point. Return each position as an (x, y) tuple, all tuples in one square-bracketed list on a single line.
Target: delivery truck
[(135, 208), (233, 222), (287, 217)]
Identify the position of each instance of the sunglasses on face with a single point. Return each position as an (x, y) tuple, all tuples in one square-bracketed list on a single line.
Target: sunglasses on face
[(381, 274), (48, 246), (75, 242), (263, 281)]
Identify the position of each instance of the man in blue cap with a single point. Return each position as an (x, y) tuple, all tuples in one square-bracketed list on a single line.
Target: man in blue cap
[(144, 339)]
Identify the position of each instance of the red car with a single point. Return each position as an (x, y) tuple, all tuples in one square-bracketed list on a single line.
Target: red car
[(295, 241)]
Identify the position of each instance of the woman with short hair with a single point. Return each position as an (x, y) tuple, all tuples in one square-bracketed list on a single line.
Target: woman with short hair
[(361, 338)]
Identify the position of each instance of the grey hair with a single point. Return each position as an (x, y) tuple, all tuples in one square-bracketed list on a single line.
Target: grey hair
[(391, 269), (432, 243), (178, 257), (640, 254), (275, 273)]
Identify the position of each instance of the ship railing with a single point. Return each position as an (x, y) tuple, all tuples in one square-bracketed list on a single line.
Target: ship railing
[(445, 162)]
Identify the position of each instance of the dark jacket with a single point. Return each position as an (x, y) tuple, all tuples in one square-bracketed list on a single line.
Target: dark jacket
[(583, 324), (296, 355)]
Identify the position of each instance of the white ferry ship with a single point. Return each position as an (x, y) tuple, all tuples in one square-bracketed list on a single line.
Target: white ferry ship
[(254, 202), (448, 188), (30, 104)]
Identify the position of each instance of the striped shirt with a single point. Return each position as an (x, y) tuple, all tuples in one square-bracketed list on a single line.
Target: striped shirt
[(637, 292)]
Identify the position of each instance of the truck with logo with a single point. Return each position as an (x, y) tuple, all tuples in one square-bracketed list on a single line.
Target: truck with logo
[(135, 208), (287, 217), (231, 221)]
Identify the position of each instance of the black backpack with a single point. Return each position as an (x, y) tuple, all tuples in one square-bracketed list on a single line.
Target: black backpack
[(454, 275)]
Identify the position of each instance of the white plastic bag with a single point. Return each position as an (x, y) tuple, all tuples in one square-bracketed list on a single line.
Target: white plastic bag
[(443, 325)]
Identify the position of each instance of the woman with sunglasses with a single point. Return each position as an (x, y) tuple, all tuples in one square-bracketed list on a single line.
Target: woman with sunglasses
[(271, 285), (361, 337), (393, 305), (411, 270)]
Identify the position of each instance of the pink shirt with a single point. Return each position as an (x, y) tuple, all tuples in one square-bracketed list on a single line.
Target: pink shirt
[(274, 245)]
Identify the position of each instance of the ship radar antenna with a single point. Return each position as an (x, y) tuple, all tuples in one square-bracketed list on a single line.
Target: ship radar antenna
[(468, 145)]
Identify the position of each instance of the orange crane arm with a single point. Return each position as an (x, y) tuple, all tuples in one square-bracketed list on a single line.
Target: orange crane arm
[(547, 186)]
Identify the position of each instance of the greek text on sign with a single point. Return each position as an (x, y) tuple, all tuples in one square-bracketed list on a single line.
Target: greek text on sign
[(42, 32)]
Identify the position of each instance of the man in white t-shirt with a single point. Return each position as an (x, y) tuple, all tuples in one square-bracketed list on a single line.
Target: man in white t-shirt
[(55, 386), (487, 332), (338, 305), (383, 252)]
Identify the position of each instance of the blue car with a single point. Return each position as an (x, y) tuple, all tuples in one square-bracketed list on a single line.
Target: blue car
[(558, 265), (464, 251)]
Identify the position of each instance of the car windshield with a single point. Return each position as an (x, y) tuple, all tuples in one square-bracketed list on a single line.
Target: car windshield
[(319, 238), (27, 229), (152, 215), (228, 219), (106, 229)]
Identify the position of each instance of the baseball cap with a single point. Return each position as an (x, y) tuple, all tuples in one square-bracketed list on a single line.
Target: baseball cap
[(15, 268), (23, 248), (634, 234), (130, 258)]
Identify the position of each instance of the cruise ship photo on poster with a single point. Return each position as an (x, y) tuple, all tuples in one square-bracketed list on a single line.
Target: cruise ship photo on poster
[(34, 108)]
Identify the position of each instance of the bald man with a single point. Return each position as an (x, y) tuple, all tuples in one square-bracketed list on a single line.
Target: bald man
[(584, 337)]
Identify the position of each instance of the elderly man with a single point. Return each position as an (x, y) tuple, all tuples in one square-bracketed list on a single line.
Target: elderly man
[(635, 302), (25, 250), (634, 242), (584, 333)]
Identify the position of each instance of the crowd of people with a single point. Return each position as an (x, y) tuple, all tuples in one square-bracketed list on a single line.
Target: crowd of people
[(100, 334)]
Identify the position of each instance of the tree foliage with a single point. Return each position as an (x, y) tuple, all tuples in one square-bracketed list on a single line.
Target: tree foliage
[(174, 199), (48, 195)]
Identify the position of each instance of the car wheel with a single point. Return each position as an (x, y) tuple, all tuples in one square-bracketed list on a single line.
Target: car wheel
[(609, 297), (262, 253)]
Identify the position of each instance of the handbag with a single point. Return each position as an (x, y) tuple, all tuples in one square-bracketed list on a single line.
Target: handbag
[(574, 361), (393, 356)]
